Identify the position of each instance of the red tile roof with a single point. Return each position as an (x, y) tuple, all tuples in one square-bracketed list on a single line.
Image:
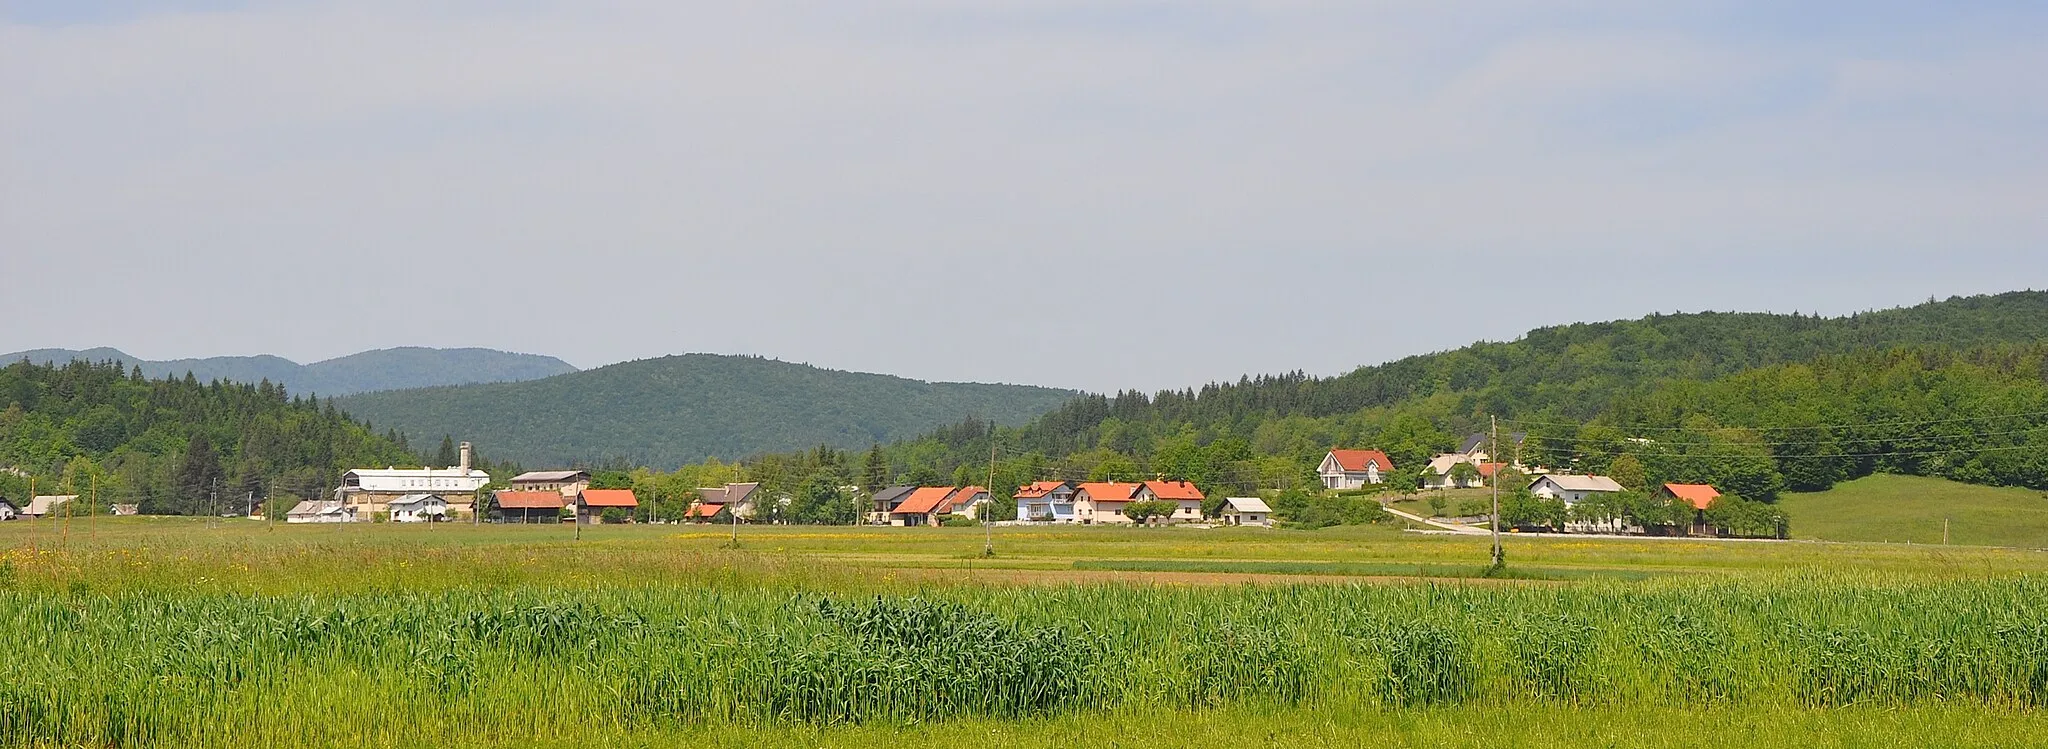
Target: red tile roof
[(610, 498), (1172, 490), (1038, 489), (704, 510), (1354, 460), (1487, 469), (1111, 491), (530, 500), (925, 499), (1700, 495)]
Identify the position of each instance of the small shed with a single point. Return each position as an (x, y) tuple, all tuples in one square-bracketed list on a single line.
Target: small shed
[(418, 508), (8, 511), (124, 510), (1247, 511)]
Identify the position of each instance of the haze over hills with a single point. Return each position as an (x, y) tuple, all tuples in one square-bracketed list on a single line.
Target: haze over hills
[(381, 369), (676, 409)]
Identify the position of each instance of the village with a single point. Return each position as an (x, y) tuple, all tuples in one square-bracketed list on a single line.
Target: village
[(451, 493)]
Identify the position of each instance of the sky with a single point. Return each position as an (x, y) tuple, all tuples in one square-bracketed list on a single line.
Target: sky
[(1096, 195)]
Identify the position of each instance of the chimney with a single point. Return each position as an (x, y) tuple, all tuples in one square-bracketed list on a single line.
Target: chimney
[(465, 459)]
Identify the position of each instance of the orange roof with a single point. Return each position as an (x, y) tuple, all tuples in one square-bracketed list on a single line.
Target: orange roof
[(966, 494), (1488, 469), (1038, 489), (529, 500), (925, 499), (704, 510), (1355, 460), (1111, 491), (1700, 495), (610, 498), (1172, 490)]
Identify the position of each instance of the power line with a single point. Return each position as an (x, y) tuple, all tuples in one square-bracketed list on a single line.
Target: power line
[(1895, 438), (1865, 425)]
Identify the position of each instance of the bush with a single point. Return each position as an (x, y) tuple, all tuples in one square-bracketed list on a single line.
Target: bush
[(959, 521), (612, 516)]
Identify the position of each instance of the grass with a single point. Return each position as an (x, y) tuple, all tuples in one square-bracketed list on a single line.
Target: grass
[(173, 632), (1911, 509)]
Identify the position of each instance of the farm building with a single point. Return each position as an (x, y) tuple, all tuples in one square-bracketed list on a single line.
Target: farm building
[(543, 506), (8, 511), (1572, 488), (317, 511), (124, 510), (46, 504), (567, 483), (591, 504), (1186, 498), (1353, 469), (1247, 511), (1701, 496), (418, 508), (1103, 502), (1046, 501), (371, 490)]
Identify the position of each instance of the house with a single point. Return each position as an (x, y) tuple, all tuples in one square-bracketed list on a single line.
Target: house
[(8, 511), (923, 506), (543, 506), (1104, 502), (1572, 488), (1476, 444), (885, 502), (124, 510), (711, 499), (1186, 498), (1443, 469), (46, 504), (371, 490), (970, 502), (1353, 469), (1247, 511), (568, 483), (418, 508), (1046, 501), (591, 504), (318, 511)]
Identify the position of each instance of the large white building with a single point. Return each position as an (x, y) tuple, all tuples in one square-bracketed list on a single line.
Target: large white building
[(1572, 488), (370, 491)]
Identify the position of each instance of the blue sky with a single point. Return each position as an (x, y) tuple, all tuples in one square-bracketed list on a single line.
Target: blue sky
[(1098, 195)]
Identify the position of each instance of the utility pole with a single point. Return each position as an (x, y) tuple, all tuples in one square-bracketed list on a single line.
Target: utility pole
[(988, 533), (1944, 531), (1494, 429), (92, 511)]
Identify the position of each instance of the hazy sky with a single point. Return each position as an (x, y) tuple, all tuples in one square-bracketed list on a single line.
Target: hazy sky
[(1087, 194)]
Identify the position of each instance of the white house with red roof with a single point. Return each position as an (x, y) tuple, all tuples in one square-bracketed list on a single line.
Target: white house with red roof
[(1046, 501), (1353, 469), (1186, 498), (1103, 502)]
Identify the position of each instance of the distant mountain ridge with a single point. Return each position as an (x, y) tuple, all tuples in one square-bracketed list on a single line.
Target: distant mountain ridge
[(368, 371), (676, 409)]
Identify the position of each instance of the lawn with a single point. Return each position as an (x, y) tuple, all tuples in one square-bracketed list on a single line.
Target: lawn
[(181, 632), (1913, 509)]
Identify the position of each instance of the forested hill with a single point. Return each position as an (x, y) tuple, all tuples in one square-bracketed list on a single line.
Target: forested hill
[(1570, 372), (381, 369), (676, 409), (172, 445)]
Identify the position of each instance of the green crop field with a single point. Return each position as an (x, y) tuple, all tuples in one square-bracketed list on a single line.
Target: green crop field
[(1912, 509), (179, 632)]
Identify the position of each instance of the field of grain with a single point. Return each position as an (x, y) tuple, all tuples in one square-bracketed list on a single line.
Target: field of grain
[(233, 633)]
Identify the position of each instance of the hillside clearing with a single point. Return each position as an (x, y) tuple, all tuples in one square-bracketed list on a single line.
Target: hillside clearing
[(1911, 509)]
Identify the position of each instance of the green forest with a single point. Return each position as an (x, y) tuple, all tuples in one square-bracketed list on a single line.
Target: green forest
[(1753, 403), (174, 446)]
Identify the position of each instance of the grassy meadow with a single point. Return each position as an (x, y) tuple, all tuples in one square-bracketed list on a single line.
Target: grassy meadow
[(181, 632), (1902, 509)]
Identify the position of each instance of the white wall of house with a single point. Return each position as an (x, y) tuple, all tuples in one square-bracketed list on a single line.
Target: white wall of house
[(419, 512), (1335, 477)]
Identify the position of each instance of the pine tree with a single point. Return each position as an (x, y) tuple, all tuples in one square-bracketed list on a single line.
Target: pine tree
[(876, 472), (446, 456), (198, 473)]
